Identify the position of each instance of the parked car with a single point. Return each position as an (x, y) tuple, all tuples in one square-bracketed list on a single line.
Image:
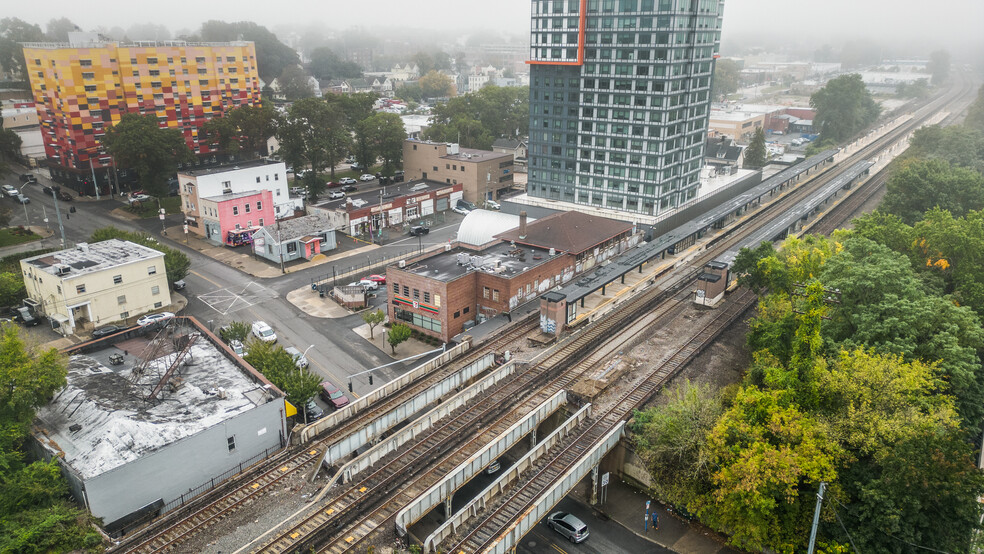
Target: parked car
[(398, 176), (297, 191), (264, 332), (106, 330), (151, 319), (138, 198), (366, 177), (568, 525), (62, 195), (28, 178), (10, 191), (348, 181), (466, 205), (356, 167), (336, 195), (24, 315), (332, 185), (46, 190), (492, 468), (179, 284), (333, 396), (381, 279), (460, 210), (22, 199), (299, 360), (349, 188), (366, 284), (238, 348), (312, 411), (419, 230), (492, 205)]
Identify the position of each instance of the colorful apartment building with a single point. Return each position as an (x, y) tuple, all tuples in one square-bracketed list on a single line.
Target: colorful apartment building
[(231, 218), (84, 86)]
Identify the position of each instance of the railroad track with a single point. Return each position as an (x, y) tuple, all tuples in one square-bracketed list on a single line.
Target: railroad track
[(563, 457), (209, 509)]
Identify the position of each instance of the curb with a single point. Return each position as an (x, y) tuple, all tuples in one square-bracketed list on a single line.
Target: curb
[(622, 525)]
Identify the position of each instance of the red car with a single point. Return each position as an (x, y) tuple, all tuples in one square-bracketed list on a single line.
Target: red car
[(380, 279), (333, 184), (332, 396)]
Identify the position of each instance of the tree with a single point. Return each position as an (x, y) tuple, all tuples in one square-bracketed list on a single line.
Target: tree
[(10, 144), (237, 330), (176, 263), (13, 31), (272, 56), (843, 108), (385, 134), (975, 113), (57, 29), (295, 84), (356, 107), (325, 64), (222, 132), (726, 78), (373, 319), (300, 385), (939, 66), (436, 85), (410, 92), (397, 334), (255, 124), (12, 289), (313, 132), (960, 145), (919, 185), (139, 143), (756, 155), (476, 120)]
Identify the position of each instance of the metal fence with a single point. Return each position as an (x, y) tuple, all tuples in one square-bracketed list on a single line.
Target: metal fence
[(217, 480)]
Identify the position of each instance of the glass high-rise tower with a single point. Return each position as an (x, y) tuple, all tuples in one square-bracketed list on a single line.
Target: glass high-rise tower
[(620, 95)]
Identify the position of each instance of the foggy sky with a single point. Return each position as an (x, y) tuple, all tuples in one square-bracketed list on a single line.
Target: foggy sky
[(947, 23)]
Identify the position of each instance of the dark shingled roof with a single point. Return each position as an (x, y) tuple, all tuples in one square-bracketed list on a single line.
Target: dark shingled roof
[(573, 232)]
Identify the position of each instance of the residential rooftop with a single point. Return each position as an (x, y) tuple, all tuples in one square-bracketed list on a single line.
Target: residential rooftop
[(101, 419), (91, 258), (475, 156), (502, 259), (225, 168), (232, 196), (571, 231), (291, 229), (372, 197)]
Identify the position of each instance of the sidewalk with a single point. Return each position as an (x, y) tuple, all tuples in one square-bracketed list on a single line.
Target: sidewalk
[(242, 258), (627, 506)]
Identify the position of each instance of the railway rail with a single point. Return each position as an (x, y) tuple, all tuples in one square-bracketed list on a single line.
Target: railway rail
[(210, 508)]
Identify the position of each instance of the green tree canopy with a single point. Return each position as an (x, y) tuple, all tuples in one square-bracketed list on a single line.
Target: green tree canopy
[(300, 385), (12, 32), (384, 133), (844, 107), (475, 120), (255, 125), (313, 132), (960, 145), (436, 85), (727, 78), (138, 142), (756, 155), (57, 29), (919, 185), (325, 64), (398, 334), (295, 84), (372, 319)]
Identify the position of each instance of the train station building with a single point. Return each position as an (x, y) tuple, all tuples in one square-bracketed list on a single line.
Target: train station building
[(150, 418)]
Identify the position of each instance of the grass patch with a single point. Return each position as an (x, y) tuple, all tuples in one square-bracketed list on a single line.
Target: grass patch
[(15, 235), (148, 209)]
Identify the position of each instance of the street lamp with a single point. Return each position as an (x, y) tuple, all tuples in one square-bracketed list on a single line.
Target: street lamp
[(27, 220), (304, 354)]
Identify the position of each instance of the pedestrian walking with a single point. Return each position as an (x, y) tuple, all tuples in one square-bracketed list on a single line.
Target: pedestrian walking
[(655, 520)]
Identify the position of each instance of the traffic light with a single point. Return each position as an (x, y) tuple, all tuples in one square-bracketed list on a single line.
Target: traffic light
[(350, 386), (370, 378)]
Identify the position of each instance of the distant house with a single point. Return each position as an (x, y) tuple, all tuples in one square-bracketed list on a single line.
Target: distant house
[(515, 147), (359, 85), (723, 155), (336, 86), (300, 238)]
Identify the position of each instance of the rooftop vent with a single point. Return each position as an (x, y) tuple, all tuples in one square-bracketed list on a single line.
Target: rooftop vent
[(75, 427), (82, 247)]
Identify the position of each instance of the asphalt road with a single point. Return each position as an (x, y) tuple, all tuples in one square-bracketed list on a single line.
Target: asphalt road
[(218, 294), (606, 536)]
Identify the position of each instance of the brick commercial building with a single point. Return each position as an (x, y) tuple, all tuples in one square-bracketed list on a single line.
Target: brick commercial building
[(445, 293), (86, 85), (483, 174)]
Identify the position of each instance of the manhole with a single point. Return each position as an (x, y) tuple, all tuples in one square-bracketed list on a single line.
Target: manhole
[(531, 544)]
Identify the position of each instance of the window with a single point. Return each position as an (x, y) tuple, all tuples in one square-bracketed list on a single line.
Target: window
[(485, 292), (276, 176), (247, 207), (259, 205), (117, 279), (261, 222), (158, 304), (427, 297), (121, 299), (124, 315), (231, 442), (257, 179), (235, 210), (416, 294), (59, 288), (291, 247), (88, 76), (156, 289), (495, 295), (80, 289), (396, 288), (152, 270), (437, 300), (466, 309), (406, 290)]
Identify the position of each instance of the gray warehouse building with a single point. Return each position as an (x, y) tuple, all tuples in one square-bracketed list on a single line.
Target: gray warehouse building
[(149, 418)]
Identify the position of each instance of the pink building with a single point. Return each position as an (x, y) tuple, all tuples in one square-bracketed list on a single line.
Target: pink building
[(231, 218)]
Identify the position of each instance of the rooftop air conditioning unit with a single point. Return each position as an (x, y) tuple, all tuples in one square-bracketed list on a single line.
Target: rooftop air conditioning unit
[(447, 247), (403, 263), (62, 270)]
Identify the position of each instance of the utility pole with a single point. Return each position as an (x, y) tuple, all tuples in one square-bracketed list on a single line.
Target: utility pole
[(61, 228), (95, 183), (280, 248), (816, 518)]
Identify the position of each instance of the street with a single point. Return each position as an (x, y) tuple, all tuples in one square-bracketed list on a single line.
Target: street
[(219, 294)]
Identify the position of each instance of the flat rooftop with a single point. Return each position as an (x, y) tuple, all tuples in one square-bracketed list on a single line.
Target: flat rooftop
[(225, 168), (90, 258), (501, 259), (473, 155), (370, 197), (232, 196), (100, 420)]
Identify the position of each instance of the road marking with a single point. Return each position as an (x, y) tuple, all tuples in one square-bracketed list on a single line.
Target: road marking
[(558, 549), (204, 277)]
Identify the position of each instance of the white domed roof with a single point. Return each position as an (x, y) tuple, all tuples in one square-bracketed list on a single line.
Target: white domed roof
[(480, 226)]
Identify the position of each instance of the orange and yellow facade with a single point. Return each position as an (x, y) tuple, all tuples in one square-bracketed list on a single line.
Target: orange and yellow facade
[(81, 90)]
